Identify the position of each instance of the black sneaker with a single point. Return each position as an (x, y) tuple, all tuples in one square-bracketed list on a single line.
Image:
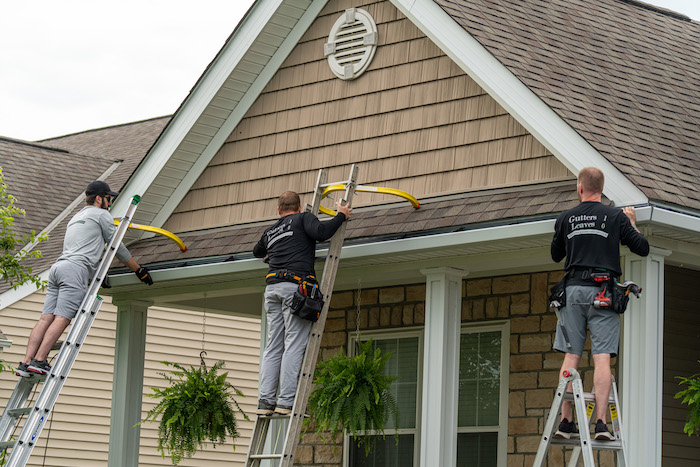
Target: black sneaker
[(283, 409), (42, 368), (601, 431), (567, 430), (23, 370), (265, 408)]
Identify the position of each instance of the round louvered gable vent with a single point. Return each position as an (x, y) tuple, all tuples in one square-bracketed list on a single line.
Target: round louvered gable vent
[(351, 44)]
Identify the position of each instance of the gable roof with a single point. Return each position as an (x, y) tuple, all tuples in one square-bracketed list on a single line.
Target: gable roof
[(622, 74), (62, 167), (255, 51)]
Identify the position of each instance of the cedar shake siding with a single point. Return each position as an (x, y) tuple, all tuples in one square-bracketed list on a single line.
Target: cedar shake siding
[(414, 121)]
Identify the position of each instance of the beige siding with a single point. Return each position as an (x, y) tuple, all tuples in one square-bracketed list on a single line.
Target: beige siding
[(681, 354), (79, 433), (414, 121)]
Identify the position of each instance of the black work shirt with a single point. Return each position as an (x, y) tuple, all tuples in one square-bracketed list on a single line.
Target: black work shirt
[(291, 242), (590, 234)]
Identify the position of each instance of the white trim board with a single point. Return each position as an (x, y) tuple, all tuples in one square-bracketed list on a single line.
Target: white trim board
[(538, 118), (204, 92)]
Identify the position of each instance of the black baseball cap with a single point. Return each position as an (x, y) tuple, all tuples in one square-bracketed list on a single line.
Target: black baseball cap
[(100, 188)]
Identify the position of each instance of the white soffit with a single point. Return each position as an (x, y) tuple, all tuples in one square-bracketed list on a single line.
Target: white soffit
[(216, 104), (529, 110)]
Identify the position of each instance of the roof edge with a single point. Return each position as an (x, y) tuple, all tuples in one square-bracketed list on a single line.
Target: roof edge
[(569, 147)]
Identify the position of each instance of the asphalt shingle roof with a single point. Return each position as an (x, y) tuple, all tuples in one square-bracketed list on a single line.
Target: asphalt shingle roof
[(624, 76), (47, 176), (442, 214)]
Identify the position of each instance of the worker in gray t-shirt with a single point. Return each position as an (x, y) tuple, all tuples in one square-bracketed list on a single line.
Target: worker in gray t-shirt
[(87, 234)]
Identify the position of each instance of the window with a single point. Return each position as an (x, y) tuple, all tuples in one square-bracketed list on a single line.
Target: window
[(405, 363), (483, 396)]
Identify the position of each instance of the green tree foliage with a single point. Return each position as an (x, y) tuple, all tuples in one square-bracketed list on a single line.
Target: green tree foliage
[(691, 396), (197, 406), (353, 394), (12, 268)]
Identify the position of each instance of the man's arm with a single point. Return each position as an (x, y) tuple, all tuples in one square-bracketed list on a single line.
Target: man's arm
[(109, 228), (259, 250), (321, 231), (630, 235), (558, 248)]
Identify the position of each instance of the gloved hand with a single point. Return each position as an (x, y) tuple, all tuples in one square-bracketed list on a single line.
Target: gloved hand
[(144, 276)]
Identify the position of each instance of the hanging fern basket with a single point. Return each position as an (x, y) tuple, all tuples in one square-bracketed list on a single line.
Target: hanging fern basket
[(353, 394), (198, 407)]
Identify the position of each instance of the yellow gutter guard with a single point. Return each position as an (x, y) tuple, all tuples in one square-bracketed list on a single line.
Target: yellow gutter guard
[(368, 189), (156, 230)]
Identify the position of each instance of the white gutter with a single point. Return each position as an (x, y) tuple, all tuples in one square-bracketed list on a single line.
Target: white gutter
[(646, 214), (389, 247), (525, 106), (663, 216)]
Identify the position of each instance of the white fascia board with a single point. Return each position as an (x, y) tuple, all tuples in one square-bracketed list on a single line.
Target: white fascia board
[(525, 106), (198, 99), (239, 112), (389, 247)]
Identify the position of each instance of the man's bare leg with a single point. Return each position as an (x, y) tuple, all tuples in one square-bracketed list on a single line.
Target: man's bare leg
[(602, 378), (51, 337), (36, 337), (570, 361)]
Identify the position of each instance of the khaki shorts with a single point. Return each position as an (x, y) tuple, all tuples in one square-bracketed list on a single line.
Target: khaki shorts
[(580, 313)]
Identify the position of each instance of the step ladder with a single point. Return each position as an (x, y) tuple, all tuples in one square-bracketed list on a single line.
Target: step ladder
[(39, 411), (584, 404), (275, 437)]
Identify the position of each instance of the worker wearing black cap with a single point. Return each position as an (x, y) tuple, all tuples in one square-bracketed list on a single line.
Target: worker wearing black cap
[(86, 235)]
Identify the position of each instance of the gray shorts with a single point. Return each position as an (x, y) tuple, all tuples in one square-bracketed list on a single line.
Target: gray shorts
[(579, 312), (68, 283)]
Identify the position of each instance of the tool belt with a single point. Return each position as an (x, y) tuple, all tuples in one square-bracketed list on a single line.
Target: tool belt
[(288, 276), (612, 295)]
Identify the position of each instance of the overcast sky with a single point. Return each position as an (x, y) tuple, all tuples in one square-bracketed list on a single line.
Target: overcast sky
[(73, 65)]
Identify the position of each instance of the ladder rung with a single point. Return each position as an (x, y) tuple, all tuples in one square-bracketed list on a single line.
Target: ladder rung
[(588, 397), (609, 445), (266, 456), (19, 412), (7, 444)]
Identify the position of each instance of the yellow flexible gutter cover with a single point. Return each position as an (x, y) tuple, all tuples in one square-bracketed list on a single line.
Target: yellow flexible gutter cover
[(156, 230)]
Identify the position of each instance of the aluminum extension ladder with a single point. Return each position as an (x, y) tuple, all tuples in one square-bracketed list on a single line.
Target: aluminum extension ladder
[(275, 437), (584, 445), (38, 413)]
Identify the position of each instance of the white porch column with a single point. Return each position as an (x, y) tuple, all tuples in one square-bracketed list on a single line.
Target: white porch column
[(443, 311), (127, 386), (641, 364)]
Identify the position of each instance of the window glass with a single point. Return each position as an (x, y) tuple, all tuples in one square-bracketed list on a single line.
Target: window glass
[(479, 398), (403, 364)]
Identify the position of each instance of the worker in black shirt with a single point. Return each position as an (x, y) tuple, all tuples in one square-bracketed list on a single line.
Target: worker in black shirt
[(589, 235), (291, 247)]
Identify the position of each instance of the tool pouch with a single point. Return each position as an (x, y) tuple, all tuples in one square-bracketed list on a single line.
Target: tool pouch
[(620, 298), (557, 294), (307, 304)]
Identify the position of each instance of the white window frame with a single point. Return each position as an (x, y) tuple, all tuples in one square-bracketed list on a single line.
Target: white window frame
[(394, 334), (502, 427)]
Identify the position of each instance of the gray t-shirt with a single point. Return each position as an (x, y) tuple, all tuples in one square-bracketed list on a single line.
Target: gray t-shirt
[(86, 236)]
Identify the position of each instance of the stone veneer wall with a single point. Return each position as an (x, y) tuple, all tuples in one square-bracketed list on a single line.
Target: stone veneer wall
[(534, 366)]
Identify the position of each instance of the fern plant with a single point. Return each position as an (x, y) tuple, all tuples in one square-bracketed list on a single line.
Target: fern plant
[(195, 408), (353, 394), (691, 396)]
